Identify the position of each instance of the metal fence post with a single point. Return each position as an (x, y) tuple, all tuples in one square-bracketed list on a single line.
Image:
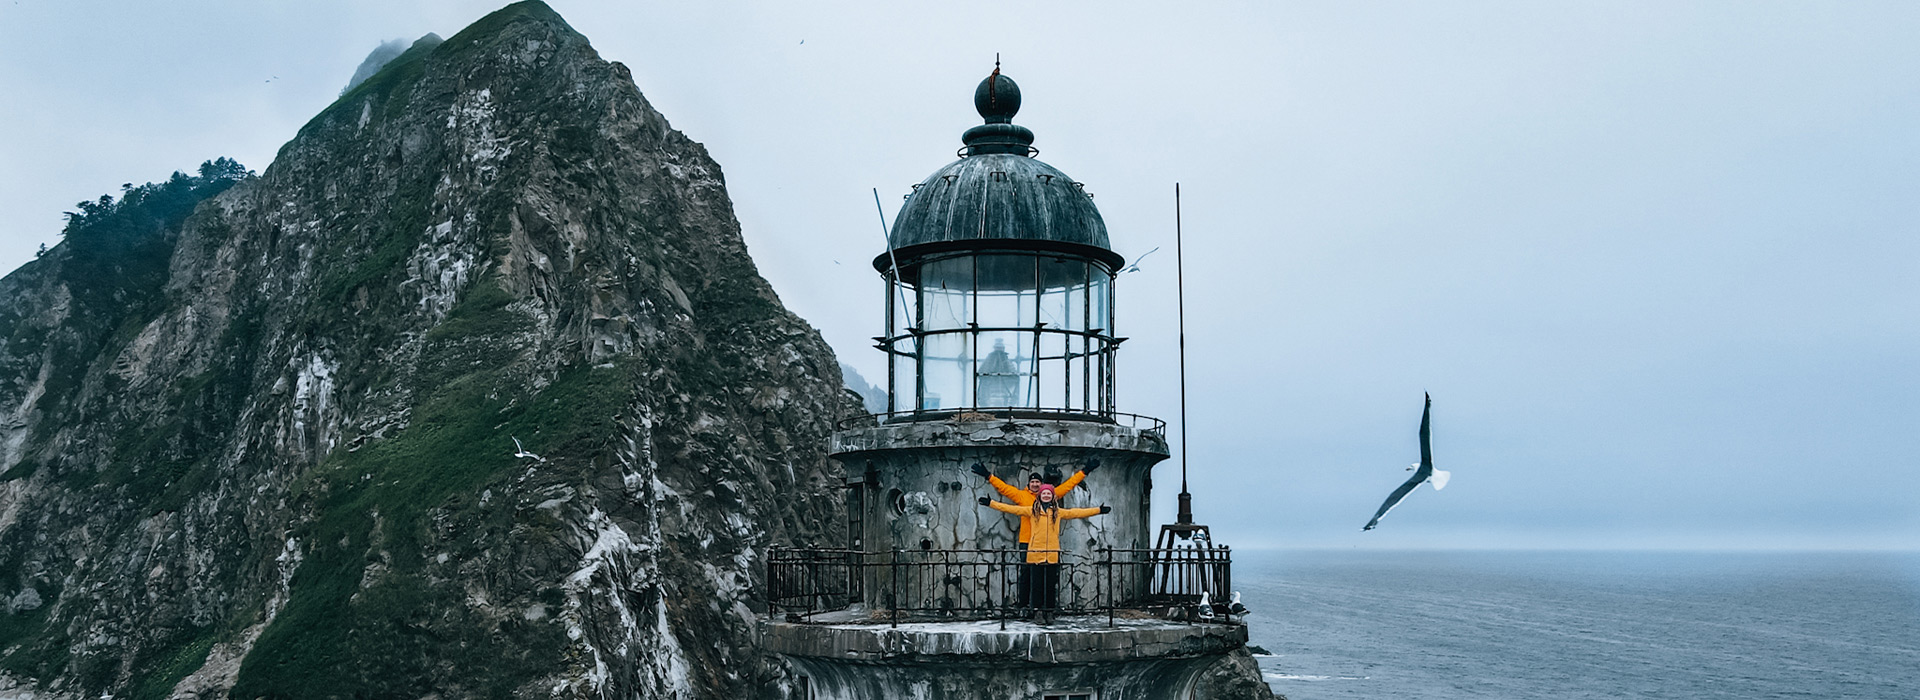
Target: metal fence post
[(894, 570), (1000, 565), (1112, 594)]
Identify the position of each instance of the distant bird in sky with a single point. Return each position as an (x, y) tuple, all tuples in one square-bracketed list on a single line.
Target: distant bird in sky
[(1423, 471), (1135, 267), (522, 452)]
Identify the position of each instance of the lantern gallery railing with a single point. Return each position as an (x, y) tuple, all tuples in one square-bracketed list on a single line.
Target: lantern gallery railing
[(983, 584), (1136, 421)]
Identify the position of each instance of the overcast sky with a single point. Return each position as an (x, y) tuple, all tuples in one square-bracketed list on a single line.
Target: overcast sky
[(1658, 263)]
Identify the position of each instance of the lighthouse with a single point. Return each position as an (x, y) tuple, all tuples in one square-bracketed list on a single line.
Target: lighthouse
[(1001, 343)]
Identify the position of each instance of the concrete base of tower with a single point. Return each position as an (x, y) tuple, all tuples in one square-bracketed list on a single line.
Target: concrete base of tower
[(845, 656)]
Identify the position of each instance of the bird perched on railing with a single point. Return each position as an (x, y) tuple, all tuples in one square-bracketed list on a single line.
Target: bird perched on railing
[(1206, 605), (1236, 608)]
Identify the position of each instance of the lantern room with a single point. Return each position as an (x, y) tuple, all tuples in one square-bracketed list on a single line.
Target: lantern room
[(999, 283)]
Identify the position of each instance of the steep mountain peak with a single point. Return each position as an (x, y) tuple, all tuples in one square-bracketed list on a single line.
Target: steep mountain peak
[(473, 392), (519, 14)]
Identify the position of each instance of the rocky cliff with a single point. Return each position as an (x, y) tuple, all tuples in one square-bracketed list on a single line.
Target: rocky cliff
[(473, 392)]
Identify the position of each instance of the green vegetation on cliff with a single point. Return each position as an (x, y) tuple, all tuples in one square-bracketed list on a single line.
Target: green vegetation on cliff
[(115, 263), (362, 597)]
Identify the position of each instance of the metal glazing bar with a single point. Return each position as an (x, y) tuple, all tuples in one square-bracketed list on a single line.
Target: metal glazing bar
[(919, 352), (893, 386)]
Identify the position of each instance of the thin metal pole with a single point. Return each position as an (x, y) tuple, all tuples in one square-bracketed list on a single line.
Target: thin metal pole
[(919, 355), (887, 237), (1180, 282), (893, 379)]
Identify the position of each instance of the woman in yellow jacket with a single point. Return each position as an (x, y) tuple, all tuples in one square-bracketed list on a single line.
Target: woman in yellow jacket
[(1040, 575), (1026, 498)]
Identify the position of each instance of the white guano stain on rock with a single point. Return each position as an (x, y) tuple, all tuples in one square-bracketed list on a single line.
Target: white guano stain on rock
[(312, 413), (601, 571)]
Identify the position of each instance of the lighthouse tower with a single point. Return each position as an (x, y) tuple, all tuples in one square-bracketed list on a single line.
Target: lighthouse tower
[(1001, 348)]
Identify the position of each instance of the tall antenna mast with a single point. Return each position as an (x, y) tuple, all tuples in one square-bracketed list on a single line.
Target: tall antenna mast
[(891, 260), (1185, 516)]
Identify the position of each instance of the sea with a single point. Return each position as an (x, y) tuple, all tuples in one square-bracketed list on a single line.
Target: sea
[(1331, 625)]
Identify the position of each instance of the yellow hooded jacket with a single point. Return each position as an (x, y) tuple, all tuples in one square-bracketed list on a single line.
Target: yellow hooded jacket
[(1044, 548), (1023, 497)]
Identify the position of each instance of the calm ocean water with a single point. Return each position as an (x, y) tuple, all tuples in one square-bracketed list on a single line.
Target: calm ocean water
[(1585, 624)]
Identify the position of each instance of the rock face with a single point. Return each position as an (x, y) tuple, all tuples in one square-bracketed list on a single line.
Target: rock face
[(283, 464)]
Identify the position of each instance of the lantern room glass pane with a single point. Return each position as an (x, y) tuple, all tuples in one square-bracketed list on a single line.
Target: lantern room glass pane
[(947, 364), (1006, 296), (1100, 293), (1050, 383), (1000, 330), (946, 294), (905, 302), (1060, 279), (906, 374), (1005, 370)]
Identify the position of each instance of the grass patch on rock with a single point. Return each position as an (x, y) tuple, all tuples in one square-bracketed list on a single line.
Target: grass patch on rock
[(365, 616)]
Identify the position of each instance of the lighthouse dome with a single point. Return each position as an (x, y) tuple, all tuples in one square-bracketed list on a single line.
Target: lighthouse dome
[(997, 195)]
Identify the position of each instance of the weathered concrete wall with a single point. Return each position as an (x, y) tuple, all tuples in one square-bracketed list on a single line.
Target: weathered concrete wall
[(1135, 659), (1145, 679), (921, 496)]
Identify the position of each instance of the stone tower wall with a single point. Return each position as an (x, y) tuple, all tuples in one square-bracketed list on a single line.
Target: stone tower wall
[(920, 497)]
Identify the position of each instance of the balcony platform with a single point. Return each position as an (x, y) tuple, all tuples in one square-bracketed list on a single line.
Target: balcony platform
[(857, 635), (1149, 438)]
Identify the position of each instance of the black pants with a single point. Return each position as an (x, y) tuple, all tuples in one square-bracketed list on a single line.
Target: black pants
[(1024, 587), (1040, 586)]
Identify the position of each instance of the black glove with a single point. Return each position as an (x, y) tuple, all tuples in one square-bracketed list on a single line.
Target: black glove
[(1106, 509), (982, 471), (984, 500), (1092, 464)]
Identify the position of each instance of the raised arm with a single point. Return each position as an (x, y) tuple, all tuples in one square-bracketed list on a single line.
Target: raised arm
[(1074, 480), (1006, 490), (1068, 485), (1071, 513), (1004, 507)]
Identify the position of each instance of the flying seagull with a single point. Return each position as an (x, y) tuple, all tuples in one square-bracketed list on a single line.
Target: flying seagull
[(522, 452), (1424, 471), (1135, 267)]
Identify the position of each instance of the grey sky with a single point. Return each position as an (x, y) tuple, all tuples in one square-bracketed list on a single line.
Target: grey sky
[(1657, 262)]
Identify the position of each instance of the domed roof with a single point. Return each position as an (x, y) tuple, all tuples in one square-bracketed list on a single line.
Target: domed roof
[(998, 195)]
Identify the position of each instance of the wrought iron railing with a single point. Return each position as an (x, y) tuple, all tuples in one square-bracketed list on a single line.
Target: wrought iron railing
[(1142, 423), (985, 584)]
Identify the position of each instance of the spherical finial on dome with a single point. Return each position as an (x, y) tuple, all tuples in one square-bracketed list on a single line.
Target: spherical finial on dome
[(997, 98)]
